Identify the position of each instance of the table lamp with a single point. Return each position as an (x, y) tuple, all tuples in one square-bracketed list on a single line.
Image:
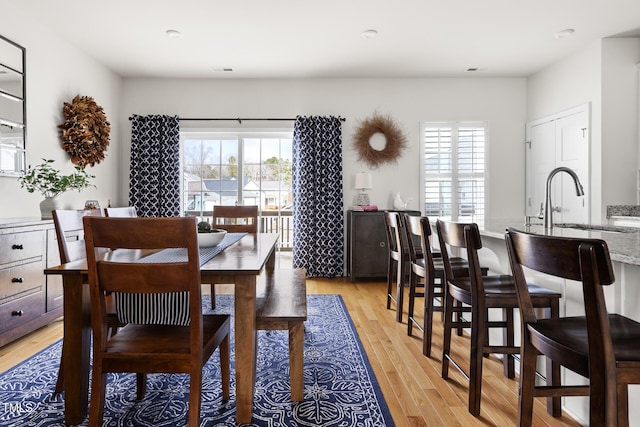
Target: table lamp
[(363, 182)]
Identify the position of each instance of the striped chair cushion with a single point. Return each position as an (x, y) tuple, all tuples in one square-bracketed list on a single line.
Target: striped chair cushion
[(153, 309)]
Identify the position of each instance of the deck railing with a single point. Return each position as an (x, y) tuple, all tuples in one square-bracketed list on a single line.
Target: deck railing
[(270, 222)]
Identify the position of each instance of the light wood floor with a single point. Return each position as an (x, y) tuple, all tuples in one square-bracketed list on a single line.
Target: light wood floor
[(411, 383)]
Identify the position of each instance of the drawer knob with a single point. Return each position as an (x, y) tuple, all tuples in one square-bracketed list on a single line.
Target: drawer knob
[(17, 280), (17, 247), (383, 244), (17, 313)]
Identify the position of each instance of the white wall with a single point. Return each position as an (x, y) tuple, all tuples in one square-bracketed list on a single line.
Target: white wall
[(619, 121), (56, 72), (501, 101)]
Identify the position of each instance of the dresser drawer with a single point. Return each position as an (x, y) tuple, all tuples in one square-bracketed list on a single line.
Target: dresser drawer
[(16, 247), (15, 282), (21, 310)]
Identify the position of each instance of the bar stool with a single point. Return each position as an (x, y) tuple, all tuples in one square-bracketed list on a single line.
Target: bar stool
[(480, 294), (398, 261), (600, 346), (427, 271)]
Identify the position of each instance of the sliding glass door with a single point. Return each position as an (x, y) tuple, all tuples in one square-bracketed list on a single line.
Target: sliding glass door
[(240, 168)]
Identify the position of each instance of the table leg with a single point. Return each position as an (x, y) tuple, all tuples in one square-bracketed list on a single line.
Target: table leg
[(77, 342), (245, 345)]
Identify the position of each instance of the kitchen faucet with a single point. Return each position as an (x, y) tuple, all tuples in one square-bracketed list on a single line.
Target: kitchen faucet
[(548, 208)]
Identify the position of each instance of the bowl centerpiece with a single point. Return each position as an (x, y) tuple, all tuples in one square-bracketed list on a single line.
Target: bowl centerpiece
[(208, 236)]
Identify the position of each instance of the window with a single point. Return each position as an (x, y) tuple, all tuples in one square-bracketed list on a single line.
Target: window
[(454, 170), (243, 168)]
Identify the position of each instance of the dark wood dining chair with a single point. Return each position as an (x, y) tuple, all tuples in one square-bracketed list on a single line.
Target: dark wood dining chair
[(71, 245), (233, 219), (600, 346), (121, 212), (478, 294), (397, 263), (182, 346), (236, 219)]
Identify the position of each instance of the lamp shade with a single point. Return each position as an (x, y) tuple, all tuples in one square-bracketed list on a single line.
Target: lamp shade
[(363, 180)]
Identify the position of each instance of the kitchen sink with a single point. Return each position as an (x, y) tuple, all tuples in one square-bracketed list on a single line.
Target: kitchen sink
[(595, 227)]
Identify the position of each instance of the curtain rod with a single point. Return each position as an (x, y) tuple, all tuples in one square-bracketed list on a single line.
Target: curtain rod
[(238, 119)]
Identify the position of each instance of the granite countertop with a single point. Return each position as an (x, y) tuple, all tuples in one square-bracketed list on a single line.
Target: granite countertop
[(623, 247), (623, 210)]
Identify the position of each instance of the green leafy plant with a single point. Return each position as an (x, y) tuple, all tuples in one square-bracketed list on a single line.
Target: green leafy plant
[(45, 179), (205, 227)]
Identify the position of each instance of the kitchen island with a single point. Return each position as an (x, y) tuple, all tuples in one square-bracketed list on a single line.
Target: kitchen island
[(622, 297)]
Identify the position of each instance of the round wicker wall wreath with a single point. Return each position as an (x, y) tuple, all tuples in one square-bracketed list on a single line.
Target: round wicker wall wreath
[(85, 132), (396, 141)]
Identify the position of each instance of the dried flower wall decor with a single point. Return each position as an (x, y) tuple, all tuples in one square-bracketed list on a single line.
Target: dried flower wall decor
[(85, 132), (396, 141)]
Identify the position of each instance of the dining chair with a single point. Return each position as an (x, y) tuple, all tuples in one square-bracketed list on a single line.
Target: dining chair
[(233, 219), (183, 345), (236, 219), (71, 246), (121, 212), (478, 294), (601, 346)]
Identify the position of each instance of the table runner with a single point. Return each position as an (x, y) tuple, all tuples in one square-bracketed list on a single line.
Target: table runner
[(180, 254), (171, 308)]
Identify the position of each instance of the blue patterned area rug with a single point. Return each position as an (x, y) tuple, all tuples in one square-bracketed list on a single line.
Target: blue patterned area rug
[(340, 388)]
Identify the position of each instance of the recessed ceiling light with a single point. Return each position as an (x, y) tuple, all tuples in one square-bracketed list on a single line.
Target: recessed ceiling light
[(222, 70), (173, 34), (564, 33), (369, 34)]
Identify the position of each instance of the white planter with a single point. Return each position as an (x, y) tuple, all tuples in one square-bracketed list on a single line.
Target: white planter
[(48, 205)]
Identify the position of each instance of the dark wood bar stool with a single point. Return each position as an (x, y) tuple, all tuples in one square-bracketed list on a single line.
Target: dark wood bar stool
[(600, 346), (481, 294), (398, 261), (427, 272)]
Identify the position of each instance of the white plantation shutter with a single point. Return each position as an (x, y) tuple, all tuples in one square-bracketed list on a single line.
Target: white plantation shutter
[(454, 170)]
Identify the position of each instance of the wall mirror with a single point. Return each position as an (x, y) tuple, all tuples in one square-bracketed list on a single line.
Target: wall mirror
[(13, 119)]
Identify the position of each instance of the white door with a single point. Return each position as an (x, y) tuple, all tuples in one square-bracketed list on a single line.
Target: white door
[(559, 140)]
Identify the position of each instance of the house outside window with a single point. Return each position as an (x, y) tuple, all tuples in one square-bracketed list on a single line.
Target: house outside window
[(454, 171)]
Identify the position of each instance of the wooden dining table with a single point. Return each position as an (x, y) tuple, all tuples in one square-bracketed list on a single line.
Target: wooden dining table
[(239, 264)]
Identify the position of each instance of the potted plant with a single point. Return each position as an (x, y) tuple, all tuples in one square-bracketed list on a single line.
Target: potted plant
[(208, 236), (45, 179)]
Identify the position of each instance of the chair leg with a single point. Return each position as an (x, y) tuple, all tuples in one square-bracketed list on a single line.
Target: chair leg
[(400, 290), (478, 337), (98, 391), (213, 296), (225, 367), (428, 318), (528, 359), (195, 393), (507, 361), (412, 295), (446, 334), (391, 271), (554, 403), (623, 405)]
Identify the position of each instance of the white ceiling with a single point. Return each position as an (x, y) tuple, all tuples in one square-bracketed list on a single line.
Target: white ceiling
[(304, 38)]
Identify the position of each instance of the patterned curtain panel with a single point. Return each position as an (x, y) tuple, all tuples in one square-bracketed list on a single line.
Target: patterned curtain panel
[(317, 193), (154, 177)]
